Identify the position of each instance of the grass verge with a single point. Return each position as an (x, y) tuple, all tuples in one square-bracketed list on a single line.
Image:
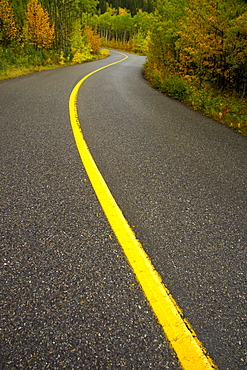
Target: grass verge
[(224, 107), (15, 69)]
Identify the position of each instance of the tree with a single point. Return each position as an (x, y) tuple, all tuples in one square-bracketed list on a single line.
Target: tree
[(205, 40), (93, 39), (105, 25), (38, 30), (87, 6), (164, 37), (8, 29), (64, 13), (19, 8), (80, 47), (213, 41)]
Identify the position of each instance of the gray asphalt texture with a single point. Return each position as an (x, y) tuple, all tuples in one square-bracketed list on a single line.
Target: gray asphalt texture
[(69, 297), (180, 179)]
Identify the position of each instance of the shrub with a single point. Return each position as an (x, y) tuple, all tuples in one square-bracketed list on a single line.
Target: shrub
[(103, 53), (82, 55), (175, 87)]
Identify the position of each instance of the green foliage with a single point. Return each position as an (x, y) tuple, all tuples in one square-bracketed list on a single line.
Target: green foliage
[(202, 38), (170, 84), (132, 5), (19, 8), (25, 56), (77, 40), (204, 44), (196, 49), (84, 43), (47, 23), (140, 43), (175, 87), (125, 32), (34, 57), (210, 45), (229, 110)]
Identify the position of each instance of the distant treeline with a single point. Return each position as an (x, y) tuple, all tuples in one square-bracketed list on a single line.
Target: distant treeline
[(132, 5), (205, 40)]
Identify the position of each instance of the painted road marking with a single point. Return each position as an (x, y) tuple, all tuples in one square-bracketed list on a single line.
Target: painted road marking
[(189, 350)]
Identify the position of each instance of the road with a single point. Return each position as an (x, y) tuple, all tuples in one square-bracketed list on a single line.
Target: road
[(70, 298)]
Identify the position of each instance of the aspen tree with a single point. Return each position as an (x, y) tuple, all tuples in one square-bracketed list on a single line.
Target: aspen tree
[(8, 29), (38, 31)]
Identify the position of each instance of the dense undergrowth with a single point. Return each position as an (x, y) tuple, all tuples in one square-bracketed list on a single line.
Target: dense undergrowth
[(221, 106), (17, 62), (224, 107)]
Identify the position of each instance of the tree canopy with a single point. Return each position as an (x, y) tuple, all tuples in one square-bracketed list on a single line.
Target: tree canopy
[(202, 39)]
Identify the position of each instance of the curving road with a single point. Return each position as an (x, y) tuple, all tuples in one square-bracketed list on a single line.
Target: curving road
[(69, 297)]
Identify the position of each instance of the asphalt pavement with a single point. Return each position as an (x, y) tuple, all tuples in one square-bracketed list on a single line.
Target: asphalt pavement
[(70, 299)]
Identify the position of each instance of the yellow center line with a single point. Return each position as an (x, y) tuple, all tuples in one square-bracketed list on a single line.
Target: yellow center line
[(189, 350)]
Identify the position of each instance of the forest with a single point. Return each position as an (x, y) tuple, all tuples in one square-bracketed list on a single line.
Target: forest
[(196, 49)]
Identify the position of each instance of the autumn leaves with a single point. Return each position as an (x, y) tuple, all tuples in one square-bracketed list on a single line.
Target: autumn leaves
[(205, 39), (36, 34), (197, 52), (8, 30), (37, 31)]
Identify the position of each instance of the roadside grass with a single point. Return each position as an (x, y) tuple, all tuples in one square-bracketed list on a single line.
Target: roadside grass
[(12, 71), (14, 63), (225, 107)]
